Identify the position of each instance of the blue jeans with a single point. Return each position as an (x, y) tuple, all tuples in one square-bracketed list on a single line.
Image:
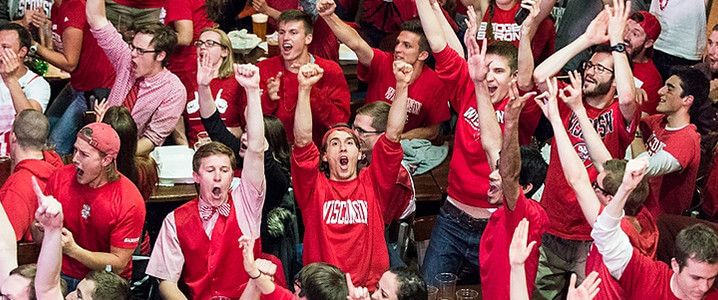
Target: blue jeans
[(454, 245), (71, 282), (64, 127)]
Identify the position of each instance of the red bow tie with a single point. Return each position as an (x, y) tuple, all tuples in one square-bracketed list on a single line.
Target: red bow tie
[(206, 211)]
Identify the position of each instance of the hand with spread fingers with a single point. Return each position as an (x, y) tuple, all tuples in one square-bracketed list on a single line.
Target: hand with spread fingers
[(597, 30), (617, 17), (49, 211), (100, 109), (273, 84), (519, 251), (534, 8), (10, 64), (205, 70), (572, 94), (516, 100), (587, 290), (476, 60), (547, 101)]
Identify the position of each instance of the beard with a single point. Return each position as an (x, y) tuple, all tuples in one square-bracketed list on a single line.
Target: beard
[(599, 90), (637, 51)]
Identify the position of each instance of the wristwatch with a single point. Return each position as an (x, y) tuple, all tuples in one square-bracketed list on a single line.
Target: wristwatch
[(620, 47), (33, 50)]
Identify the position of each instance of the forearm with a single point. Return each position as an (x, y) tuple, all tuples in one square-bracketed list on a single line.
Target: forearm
[(272, 13), (184, 29), (97, 260), (518, 290), (625, 85), (95, 11), (206, 101), (49, 262), (488, 124), (180, 134), (449, 34), (397, 113), (431, 27), (19, 100), (526, 66), (612, 242), (428, 133), (251, 292), (170, 290), (265, 284), (217, 131), (596, 149), (351, 38), (555, 62), (8, 246), (303, 118), (509, 166), (144, 146), (57, 59), (255, 121)]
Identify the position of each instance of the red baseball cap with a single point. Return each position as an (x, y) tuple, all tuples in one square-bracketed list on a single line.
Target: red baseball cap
[(101, 136), (340, 127), (649, 23)]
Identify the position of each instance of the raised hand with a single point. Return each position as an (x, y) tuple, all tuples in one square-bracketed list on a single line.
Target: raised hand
[(518, 250), (273, 84), (617, 16), (597, 31), (100, 109), (534, 8), (516, 100), (326, 8), (10, 64), (356, 293), (266, 267), (38, 18), (247, 245), (260, 6), (587, 290), (572, 94), (402, 72), (205, 70), (247, 75), (547, 100), (478, 66), (634, 172), (471, 26), (49, 210), (309, 75)]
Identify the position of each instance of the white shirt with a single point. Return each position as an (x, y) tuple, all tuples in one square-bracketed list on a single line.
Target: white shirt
[(36, 88), (683, 27)]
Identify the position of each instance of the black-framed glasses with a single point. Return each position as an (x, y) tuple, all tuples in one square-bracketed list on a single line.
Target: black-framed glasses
[(363, 131), (207, 43), (600, 189), (139, 50), (599, 68)]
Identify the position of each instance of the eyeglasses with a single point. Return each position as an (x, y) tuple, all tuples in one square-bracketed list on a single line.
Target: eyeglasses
[(141, 51), (362, 131), (600, 69), (600, 189), (207, 43)]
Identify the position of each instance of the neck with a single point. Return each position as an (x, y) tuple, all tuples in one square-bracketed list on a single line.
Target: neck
[(418, 68), (675, 290), (640, 57), (505, 6), (216, 202), (23, 154), (601, 102), (99, 181), (301, 60), (678, 119), (156, 70)]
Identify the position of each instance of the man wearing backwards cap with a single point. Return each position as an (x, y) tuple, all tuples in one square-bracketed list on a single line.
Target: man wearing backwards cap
[(342, 207), (104, 211), (642, 30)]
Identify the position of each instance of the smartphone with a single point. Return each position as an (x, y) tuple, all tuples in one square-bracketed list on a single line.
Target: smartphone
[(521, 15)]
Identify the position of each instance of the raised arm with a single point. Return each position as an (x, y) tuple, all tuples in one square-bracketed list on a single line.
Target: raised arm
[(525, 56), (68, 59), (509, 165), (8, 246), (478, 68), (431, 26), (572, 96), (307, 76), (449, 34), (95, 11), (596, 33), (625, 85), (573, 168), (261, 281), (49, 262), (519, 251), (397, 112), (253, 170), (345, 33)]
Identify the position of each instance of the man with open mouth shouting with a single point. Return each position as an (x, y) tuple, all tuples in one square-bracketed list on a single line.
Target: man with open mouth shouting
[(342, 207), (207, 228)]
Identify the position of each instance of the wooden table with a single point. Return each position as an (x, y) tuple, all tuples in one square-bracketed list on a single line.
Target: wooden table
[(176, 193)]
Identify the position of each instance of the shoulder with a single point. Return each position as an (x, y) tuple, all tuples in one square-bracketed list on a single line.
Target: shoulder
[(32, 80), (329, 66), (271, 63)]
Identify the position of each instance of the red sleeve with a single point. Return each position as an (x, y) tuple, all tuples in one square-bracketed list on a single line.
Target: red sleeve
[(279, 293), (454, 71), (680, 147), (367, 73), (127, 232), (305, 172), (384, 168), (177, 10), (20, 213), (330, 104), (543, 42), (74, 13)]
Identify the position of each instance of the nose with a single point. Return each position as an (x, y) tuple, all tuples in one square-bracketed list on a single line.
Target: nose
[(662, 91), (217, 176)]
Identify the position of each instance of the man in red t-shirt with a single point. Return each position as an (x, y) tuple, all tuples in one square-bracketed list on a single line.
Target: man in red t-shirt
[(427, 100), (343, 207), (642, 30), (608, 94), (330, 96), (28, 139), (104, 211), (672, 143)]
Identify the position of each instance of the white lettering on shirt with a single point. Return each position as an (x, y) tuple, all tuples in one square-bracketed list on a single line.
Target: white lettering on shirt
[(413, 106), (502, 32), (603, 124), (344, 212), (653, 145), (471, 116), (131, 240)]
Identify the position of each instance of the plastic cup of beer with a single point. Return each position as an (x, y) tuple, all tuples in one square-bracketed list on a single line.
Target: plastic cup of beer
[(259, 25)]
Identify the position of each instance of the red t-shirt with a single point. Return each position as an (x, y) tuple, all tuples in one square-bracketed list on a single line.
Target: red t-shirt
[(494, 247), (142, 3), (344, 223), (652, 82), (645, 278), (505, 29), (710, 205), (183, 62), (329, 97), (646, 242), (93, 68), (428, 102), (17, 196), (468, 169), (566, 218), (672, 193), (324, 43), (109, 216), (230, 99), (279, 293)]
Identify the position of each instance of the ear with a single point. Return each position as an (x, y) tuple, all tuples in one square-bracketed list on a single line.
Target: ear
[(688, 100), (674, 266), (308, 39), (196, 177), (22, 52), (423, 55), (527, 188), (161, 56), (648, 43), (324, 157), (107, 160)]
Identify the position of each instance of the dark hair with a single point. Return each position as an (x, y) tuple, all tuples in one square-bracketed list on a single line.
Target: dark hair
[(321, 281), (506, 50), (379, 113), (615, 169), (694, 83), (414, 26), (533, 169), (164, 39), (209, 149), (698, 242), (411, 285), (27, 271), (297, 15), (277, 139), (31, 128), (108, 286), (22, 33), (120, 119), (715, 27), (323, 165)]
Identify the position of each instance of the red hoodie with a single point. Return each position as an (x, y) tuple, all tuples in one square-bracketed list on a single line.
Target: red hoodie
[(17, 195)]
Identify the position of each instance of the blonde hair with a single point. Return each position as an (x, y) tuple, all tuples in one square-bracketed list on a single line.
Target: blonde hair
[(226, 69)]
